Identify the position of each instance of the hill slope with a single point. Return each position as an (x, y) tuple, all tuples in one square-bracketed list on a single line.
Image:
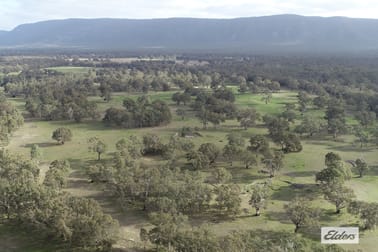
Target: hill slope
[(288, 33)]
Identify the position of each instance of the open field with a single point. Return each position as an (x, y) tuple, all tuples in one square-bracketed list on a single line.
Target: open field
[(275, 105), (299, 167)]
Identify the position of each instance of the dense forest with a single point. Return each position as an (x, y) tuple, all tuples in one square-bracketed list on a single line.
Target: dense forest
[(189, 152)]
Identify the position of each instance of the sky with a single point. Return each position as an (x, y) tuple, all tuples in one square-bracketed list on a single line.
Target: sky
[(16, 12)]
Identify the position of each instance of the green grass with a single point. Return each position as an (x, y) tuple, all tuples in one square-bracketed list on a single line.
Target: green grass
[(299, 167), (9, 74), (274, 106)]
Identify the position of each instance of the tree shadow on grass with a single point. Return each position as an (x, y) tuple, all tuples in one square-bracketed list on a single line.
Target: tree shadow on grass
[(127, 250), (353, 148), (42, 145), (329, 215), (287, 193), (78, 166), (78, 183), (278, 216), (301, 174), (85, 125), (373, 170), (213, 216), (246, 175), (321, 139)]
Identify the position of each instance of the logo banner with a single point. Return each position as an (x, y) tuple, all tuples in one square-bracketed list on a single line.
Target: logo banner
[(339, 235)]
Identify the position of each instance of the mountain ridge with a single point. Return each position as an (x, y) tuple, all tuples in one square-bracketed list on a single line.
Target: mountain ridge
[(279, 33)]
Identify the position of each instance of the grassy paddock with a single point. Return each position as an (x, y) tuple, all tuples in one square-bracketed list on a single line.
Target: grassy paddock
[(299, 167), (274, 106)]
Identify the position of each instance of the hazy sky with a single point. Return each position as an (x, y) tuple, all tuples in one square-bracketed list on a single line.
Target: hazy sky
[(15, 12)]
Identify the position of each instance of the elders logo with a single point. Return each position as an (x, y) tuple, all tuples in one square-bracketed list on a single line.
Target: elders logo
[(339, 235)]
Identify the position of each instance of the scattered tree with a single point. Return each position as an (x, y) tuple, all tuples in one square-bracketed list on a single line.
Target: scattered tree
[(221, 175), (210, 150), (248, 117), (366, 118), (181, 113), (105, 91), (267, 96), (367, 212), (258, 144), (361, 167), (259, 197), (338, 194), (301, 213), (289, 115), (152, 145), (235, 139), (273, 162), (320, 101), (362, 135), (62, 135), (303, 101), (56, 176), (97, 145), (167, 226), (335, 115), (310, 126), (181, 98), (198, 160), (231, 152), (10, 118), (248, 158), (227, 199), (335, 170), (35, 152)]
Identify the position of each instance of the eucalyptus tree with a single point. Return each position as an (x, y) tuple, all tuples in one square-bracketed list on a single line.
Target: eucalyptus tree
[(97, 145)]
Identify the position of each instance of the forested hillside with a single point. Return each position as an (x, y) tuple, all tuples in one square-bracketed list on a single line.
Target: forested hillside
[(270, 34)]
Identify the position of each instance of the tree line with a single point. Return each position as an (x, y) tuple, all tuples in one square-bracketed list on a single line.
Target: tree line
[(139, 113), (54, 215)]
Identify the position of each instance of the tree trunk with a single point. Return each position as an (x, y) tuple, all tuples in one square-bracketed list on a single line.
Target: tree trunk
[(338, 209), (271, 174), (296, 228), (257, 211)]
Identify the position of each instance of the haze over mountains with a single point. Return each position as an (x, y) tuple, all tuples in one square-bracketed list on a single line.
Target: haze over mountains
[(280, 33)]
